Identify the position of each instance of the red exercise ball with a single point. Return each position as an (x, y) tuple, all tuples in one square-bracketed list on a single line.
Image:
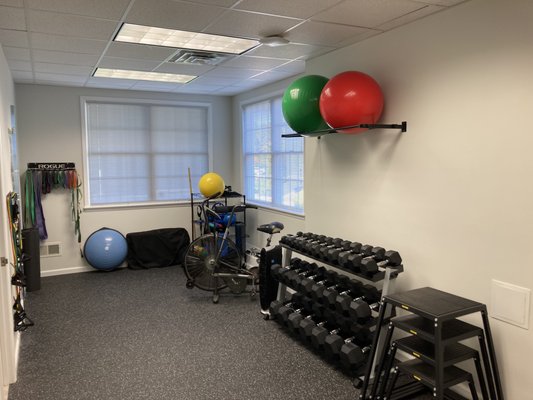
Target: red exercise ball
[(351, 98)]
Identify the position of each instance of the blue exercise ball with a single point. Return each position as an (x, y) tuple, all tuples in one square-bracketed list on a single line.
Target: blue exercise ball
[(105, 249)]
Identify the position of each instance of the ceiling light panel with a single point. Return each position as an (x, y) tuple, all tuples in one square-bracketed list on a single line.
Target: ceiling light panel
[(142, 75), (182, 39)]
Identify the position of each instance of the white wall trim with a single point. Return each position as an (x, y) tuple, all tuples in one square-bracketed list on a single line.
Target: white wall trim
[(65, 271)]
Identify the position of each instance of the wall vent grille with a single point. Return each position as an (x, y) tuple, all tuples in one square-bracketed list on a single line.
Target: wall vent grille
[(51, 249)]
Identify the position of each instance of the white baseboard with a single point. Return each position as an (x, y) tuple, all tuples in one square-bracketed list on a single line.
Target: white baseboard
[(65, 271)]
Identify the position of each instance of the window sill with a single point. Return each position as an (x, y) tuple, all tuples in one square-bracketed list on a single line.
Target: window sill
[(126, 206), (280, 211)]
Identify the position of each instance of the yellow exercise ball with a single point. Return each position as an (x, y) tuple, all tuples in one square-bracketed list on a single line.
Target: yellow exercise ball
[(211, 185)]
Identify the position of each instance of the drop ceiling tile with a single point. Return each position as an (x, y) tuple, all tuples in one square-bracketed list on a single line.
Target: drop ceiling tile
[(195, 88), (12, 3), (290, 51), (272, 76), (60, 78), (187, 69), (128, 63), (65, 43), (110, 83), (250, 25), (70, 25), (422, 12), (19, 65), (241, 73), (54, 82), (61, 57), (248, 84), (139, 51), (323, 33), (219, 3), (12, 18), (229, 91), (254, 62), (155, 86), (294, 67), (17, 53), (367, 13), (172, 14), (62, 69), (359, 38), (447, 3), (20, 76), (13, 38), (216, 81), (95, 8), (294, 8)]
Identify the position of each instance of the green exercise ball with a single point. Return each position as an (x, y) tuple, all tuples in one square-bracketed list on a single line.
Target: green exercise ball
[(300, 104)]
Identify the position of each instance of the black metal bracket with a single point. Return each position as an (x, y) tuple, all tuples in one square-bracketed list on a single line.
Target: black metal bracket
[(402, 127)]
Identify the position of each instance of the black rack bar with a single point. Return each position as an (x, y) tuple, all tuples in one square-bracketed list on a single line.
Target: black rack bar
[(402, 127), (51, 165)]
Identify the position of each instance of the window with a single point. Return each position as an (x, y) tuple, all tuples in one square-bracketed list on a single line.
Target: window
[(140, 153), (273, 166)]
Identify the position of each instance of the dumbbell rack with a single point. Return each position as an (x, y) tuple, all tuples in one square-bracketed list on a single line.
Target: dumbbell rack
[(385, 276), (434, 342)]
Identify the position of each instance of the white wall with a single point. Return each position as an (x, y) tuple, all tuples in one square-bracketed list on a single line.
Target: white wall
[(49, 120), (454, 193), (7, 337)]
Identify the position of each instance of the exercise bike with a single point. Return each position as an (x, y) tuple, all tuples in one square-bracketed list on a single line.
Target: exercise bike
[(213, 261)]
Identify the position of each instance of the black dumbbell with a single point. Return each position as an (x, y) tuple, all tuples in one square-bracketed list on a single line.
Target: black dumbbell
[(320, 333), (277, 304), (329, 245), (330, 293), (367, 253), (352, 355), (294, 319), (280, 273), (360, 310), (323, 317), (354, 248), (325, 276), (318, 287), (371, 265), (334, 253), (334, 343), (316, 242), (356, 289), (353, 260), (304, 304), (300, 282), (294, 280)]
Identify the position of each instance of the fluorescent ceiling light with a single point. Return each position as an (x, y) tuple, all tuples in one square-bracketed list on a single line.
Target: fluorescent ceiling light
[(182, 39), (142, 75)]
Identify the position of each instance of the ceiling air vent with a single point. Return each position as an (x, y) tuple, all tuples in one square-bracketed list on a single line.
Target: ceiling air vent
[(199, 57)]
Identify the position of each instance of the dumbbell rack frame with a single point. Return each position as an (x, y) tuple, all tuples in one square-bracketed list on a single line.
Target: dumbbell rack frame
[(386, 274)]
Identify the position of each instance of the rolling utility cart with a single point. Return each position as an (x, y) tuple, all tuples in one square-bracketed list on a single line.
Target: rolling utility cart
[(434, 343), (221, 205)]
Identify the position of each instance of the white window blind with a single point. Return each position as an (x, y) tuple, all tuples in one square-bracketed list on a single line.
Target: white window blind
[(273, 166), (138, 153)]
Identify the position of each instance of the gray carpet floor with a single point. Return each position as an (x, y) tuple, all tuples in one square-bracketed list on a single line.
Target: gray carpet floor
[(142, 335)]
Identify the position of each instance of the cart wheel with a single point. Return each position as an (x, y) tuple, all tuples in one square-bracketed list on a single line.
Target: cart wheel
[(189, 284)]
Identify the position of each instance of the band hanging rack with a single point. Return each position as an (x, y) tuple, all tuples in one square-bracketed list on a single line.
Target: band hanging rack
[(402, 127), (49, 166)]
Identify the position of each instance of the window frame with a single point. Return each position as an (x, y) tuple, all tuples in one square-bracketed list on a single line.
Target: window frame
[(258, 99), (84, 100)]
